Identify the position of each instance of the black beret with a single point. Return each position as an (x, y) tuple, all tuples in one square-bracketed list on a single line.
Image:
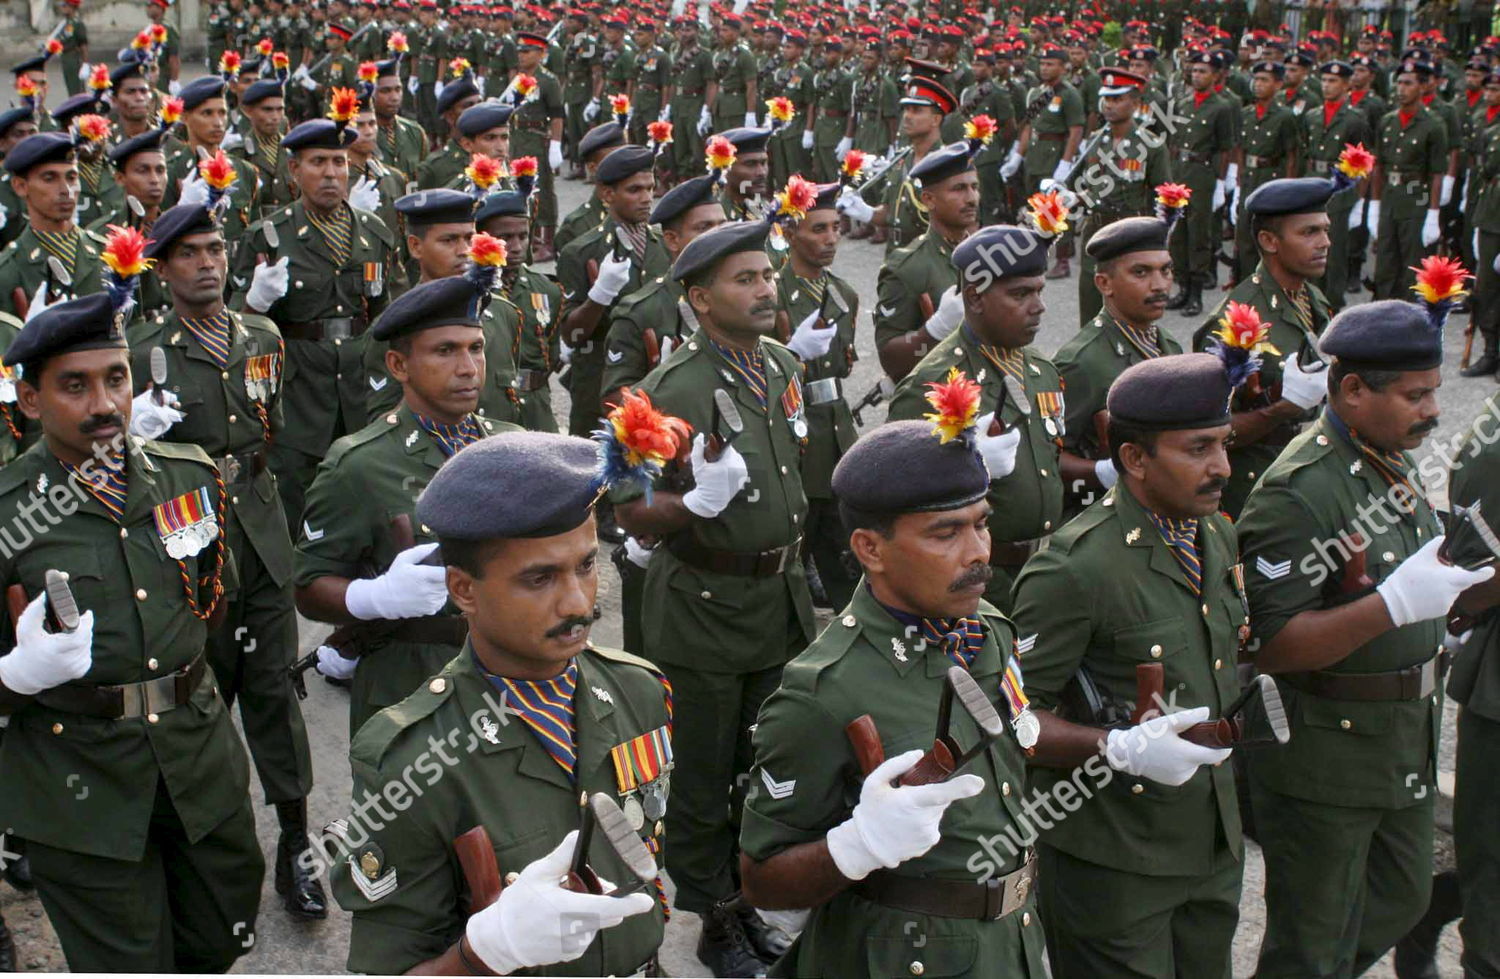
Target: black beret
[(10, 117), (266, 88), (1000, 251), (1385, 335), (747, 140), (1339, 69), (1172, 393), (1201, 58), (605, 136), (934, 475), (828, 195), (176, 222), (1304, 60), (130, 69), (627, 161), (200, 90), (709, 248), (514, 484), (1127, 235), (90, 323), (74, 106), (1274, 68), (453, 301), (1290, 195), (35, 63), (942, 163), (147, 142), (319, 134), (1422, 69), (501, 204), (36, 149), (455, 92), (684, 197), (438, 206), (483, 117), (389, 68)]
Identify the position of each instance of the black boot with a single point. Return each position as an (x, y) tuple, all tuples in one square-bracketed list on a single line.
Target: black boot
[(300, 891), (1179, 300), (1416, 954), (18, 871), (723, 945), (7, 949), (769, 942), (1194, 304), (815, 585), (1486, 363)]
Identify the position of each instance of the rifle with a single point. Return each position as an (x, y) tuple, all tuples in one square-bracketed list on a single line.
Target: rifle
[(888, 167), (945, 757), (883, 389), (363, 29)]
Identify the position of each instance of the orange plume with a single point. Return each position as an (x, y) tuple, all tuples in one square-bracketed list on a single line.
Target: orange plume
[(781, 108), (158, 33), (646, 435), (265, 46), (955, 403), (982, 128), (229, 63), (54, 46), (343, 104), (720, 152), (218, 171), (93, 128), (25, 87), (458, 66), (524, 166), (1173, 195), (483, 171), (1242, 327), (798, 198), (525, 85), (398, 43), (487, 250), (1048, 212), (659, 132), (125, 251), (171, 110), (619, 104), (1356, 161), (854, 164), (1440, 279), (280, 60), (99, 77)]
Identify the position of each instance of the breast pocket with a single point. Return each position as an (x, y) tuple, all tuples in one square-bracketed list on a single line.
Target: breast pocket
[(901, 958), (82, 565)]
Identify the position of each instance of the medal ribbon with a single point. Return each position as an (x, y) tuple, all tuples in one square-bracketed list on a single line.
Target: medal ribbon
[(1011, 686)]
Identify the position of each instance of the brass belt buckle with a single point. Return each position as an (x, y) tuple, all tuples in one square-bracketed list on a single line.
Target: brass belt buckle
[(229, 469), (822, 391), (338, 328)]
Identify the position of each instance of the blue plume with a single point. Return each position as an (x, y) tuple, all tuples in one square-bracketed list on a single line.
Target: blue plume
[(1239, 363)]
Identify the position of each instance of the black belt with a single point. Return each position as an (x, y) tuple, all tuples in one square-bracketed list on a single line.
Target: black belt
[(147, 698), (742, 564), (530, 380), (237, 466), (990, 901), (332, 328), (1188, 156), (1411, 683), (1013, 554), (442, 630)]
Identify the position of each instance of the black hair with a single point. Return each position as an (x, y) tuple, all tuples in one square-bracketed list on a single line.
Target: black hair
[(469, 556), (854, 519), (1121, 432), (1375, 378)]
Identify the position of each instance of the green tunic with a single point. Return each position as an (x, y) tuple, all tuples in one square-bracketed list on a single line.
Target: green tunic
[(1088, 364), (923, 268), (23, 266)]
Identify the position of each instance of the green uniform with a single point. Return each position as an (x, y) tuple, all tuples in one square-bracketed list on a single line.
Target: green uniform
[(539, 300), (12, 210), (583, 59), (639, 323), (734, 70), (17, 432), (498, 776), (905, 216), (1268, 140), (861, 665), (244, 196), (792, 81), (619, 65), (1346, 806), (722, 638), (923, 268), (155, 868), (322, 317), (443, 167), (429, 50), (1205, 133), (234, 418), (23, 265), (652, 76), (74, 37), (1144, 878), (403, 144), (385, 466), (876, 107), (1028, 503), (584, 217), (587, 370), (269, 161), (530, 134), (694, 70), (1484, 201), (1052, 110), (1409, 157), (1323, 143), (989, 98), (833, 97)]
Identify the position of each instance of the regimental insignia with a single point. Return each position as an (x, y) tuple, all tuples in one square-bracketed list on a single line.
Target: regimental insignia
[(186, 524), (1273, 569), (488, 729), (979, 378), (1119, 348), (411, 439), (176, 338), (602, 694), (898, 649), (778, 790), (1026, 644), (1355, 467), (41, 483), (726, 375), (374, 879), (1133, 536)]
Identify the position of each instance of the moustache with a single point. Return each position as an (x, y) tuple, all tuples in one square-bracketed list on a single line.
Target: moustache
[(1422, 428), (759, 308), (96, 422), (573, 622), (1157, 297), (1217, 483), (979, 574)]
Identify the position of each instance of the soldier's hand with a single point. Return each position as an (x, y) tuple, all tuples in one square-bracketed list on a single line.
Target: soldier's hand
[(537, 922), (591, 110), (894, 824), (364, 195), (554, 155), (333, 664), (39, 302), (853, 207), (1061, 171), (1105, 472), (613, 275), (1446, 193), (174, 87), (407, 590), (636, 554), (42, 660), (1431, 231), (268, 284), (810, 341), (1372, 212), (1357, 215), (948, 316), (717, 482), (705, 121), (1012, 163), (150, 420), (842, 149), (1303, 388), (1154, 749), (807, 139), (5, 215), (1424, 586), (665, 115), (998, 451), (413, 86), (232, 139), (194, 189), (1220, 195)]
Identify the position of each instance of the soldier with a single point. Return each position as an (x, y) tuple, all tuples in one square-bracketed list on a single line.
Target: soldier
[(430, 44), (445, 164), (920, 277), (132, 100), (402, 627), (746, 180), (375, 186), (732, 98), (599, 266), (618, 54), (596, 144), (826, 134), (319, 273), (1348, 594), (44, 175), (985, 96), (169, 55), (876, 105), (1290, 221), (1298, 92), (1269, 145), (205, 115), (537, 131), (791, 78), (695, 74), (1202, 145), (32, 73), (998, 309), (97, 193), (15, 126), (1324, 138), (156, 868), (725, 560), (403, 144), (1411, 160), (888, 887), (583, 83), (1484, 218), (483, 129), (514, 518), (74, 36), (264, 104), (651, 86), (235, 419), (1143, 877), (1051, 130)]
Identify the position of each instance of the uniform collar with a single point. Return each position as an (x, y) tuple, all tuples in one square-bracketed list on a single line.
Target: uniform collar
[(900, 644)]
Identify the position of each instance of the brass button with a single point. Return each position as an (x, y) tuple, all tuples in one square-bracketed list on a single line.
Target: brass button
[(849, 621), (1156, 652), (1205, 609), (224, 375), (1346, 724), (1137, 788), (438, 685), (511, 878), (426, 529), (233, 419), (298, 283), (1046, 525), (1388, 557), (783, 470), (140, 594), (152, 718), (1042, 471), (152, 664), (918, 968), (390, 419), (1218, 664), (124, 533), (234, 500), (1005, 788), (1025, 919), (57, 729), (705, 595)]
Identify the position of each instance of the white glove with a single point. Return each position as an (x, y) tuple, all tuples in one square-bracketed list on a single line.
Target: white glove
[(5, 216), (892, 825), (194, 189), (479, 83), (998, 451), (1234, 219), (301, 73), (1446, 194), (717, 481), (1104, 471), (1463, 199), (614, 273), (268, 284), (591, 110), (83, 71), (364, 195), (636, 554), (665, 115), (853, 207), (809, 342), (1060, 172), (948, 316), (150, 420), (554, 155), (406, 590), (1232, 179), (1153, 749), (1219, 193), (1372, 218), (842, 149), (1474, 242), (437, 88), (174, 87), (42, 660), (751, 122), (875, 166), (1357, 215), (335, 665), (1012, 163), (667, 346), (1423, 587), (564, 352), (1430, 230), (39, 303), (232, 140), (412, 85), (807, 139), (537, 922), (1305, 389), (1496, 263), (705, 121), (309, 83)]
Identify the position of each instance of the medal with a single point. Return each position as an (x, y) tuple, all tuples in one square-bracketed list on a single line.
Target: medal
[(1051, 427), (1027, 729), (654, 795), (633, 813), (799, 428), (1017, 392)]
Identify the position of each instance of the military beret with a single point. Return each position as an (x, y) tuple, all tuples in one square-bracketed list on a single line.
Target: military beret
[(527, 39), (1414, 66), (999, 251), (452, 301), (37, 63), (917, 68), (604, 136), (502, 204), (455, 92), (437, 206), (89, 323), (10, 117), (130, 69), (935, 475), (1119, 81), (266, 88), (624, 162), (827, 197), (319, 134), (483, 117), (1144, 53), (1201, 58), (1290, 195), (177, 222), (36, 149), (942, 163), (1299, 59), (1364, 61), (510, 485), (683, 198), (1273, 68), (147, 142), (388, 68), (1339, 69), (1141, 234), (747, 140), (1172, 393), (200, 90), (708, 249), (1384, 335), (74, 106)]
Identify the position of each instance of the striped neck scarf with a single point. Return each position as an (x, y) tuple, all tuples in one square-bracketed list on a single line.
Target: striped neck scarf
[(816, 288), (1182, 537), (336, 231), (636, 235), (959, 639), (105, 481), (213, 333), (751, 367), (388, 138), (546, 706), (1147, 341), (270, 152), (1391, 466), (63, 244), (1302, 303), (1011, 363), (451, 438)]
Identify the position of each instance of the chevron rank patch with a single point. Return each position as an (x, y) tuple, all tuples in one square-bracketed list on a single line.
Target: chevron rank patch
[(778, 790), (1273, 571), (1025, 644), (370, 874)]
